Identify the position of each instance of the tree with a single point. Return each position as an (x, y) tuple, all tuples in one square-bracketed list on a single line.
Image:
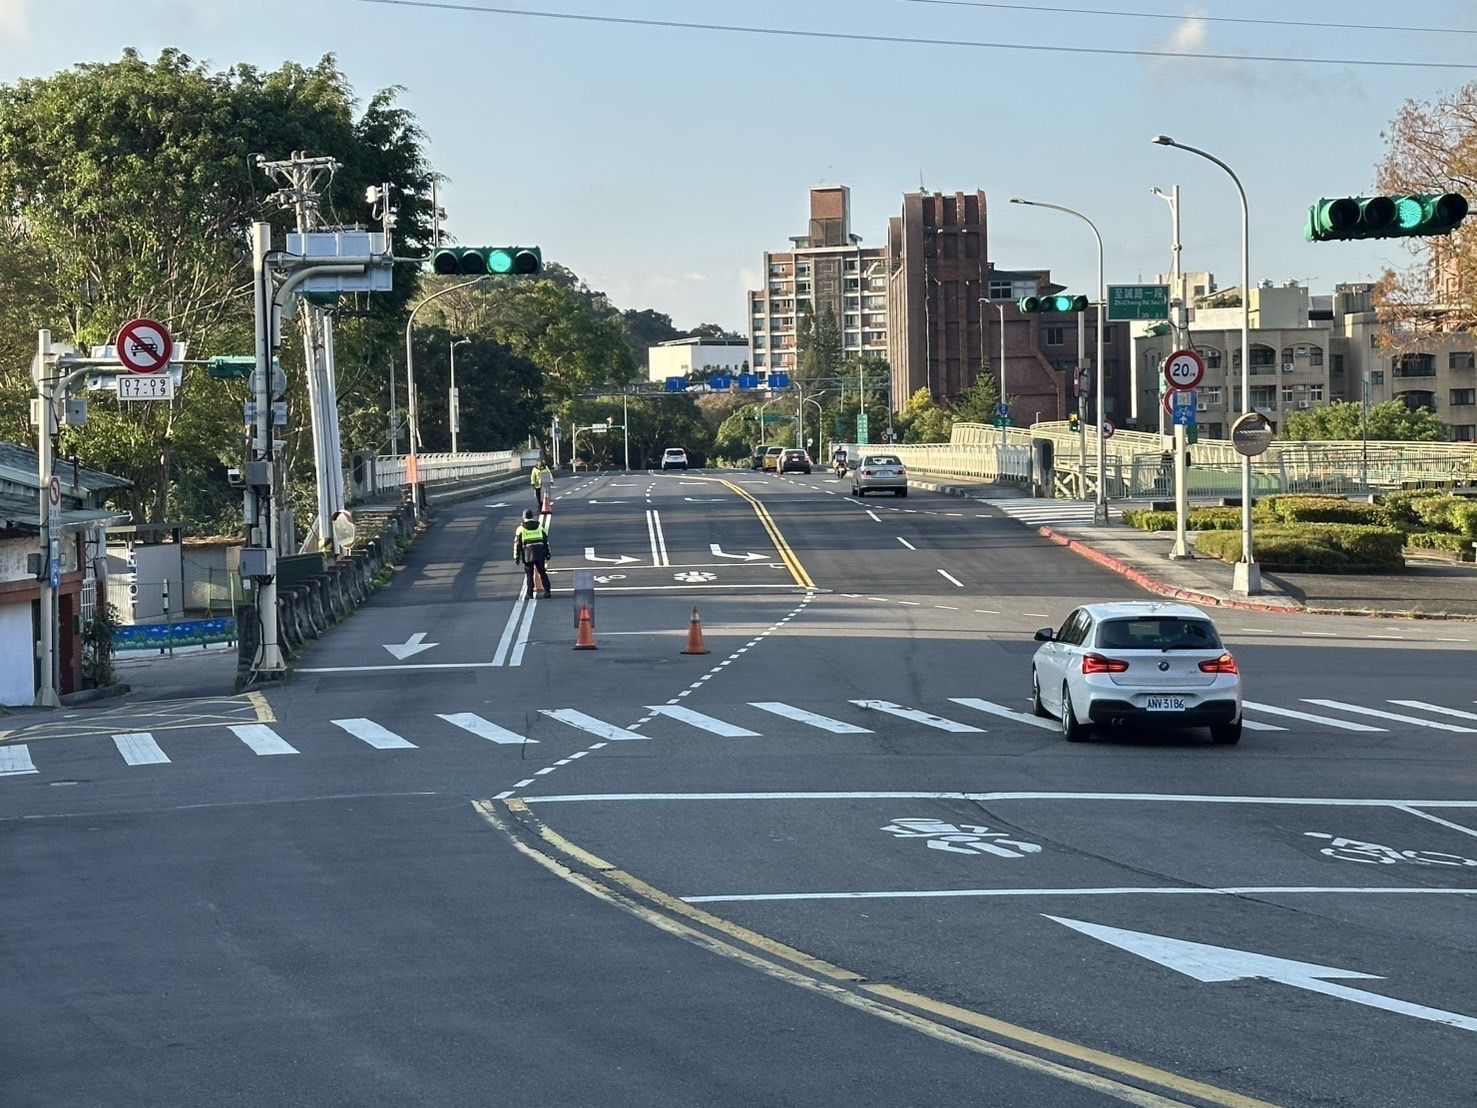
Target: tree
[(1432, 148), (130, 184), (977, 403), (1342, 422), (817, 345), (922, 420), (712, 331), (645, 328)]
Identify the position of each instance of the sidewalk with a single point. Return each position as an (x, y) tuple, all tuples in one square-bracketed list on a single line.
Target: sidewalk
[(1429, 588)]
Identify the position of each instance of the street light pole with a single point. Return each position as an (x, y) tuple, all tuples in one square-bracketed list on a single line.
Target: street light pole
[(453, 401), (1247, 578), (1180, 341), (1001, 372), (1100, 510), (413, 466)]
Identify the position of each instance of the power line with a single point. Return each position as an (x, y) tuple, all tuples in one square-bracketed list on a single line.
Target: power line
[(1180, 17), (847, 36)]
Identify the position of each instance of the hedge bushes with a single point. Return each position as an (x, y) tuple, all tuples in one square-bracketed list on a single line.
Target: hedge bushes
[(1323, 509), (1440, 540), (1328, 547), (1201, 519)]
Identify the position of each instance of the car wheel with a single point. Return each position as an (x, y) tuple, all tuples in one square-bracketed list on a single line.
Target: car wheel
[(1072, 731), (899, 492), (1225, 734), (1037, 708)]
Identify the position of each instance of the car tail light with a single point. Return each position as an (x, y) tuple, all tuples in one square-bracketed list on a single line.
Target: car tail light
[(902, 471), (866, 473), (1224, 664), (1096, 663)]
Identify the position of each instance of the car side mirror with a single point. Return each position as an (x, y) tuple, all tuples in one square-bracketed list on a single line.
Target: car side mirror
[(1046, 634)]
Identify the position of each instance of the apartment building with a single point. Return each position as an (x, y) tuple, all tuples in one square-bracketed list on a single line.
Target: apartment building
[(827, 268)]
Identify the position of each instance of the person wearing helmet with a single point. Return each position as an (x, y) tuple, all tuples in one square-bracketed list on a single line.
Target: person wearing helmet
[(531, 551)]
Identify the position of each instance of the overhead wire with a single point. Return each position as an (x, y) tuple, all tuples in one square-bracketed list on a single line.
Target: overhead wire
[(1180, 17), (906, 40)]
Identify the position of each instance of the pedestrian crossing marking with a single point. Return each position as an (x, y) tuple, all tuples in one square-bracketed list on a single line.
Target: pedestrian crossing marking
[(917, 715), (262, 739), (591, 724), (810, 719), (15, 760), (139, 749), (1396, 716), (1435, 708), (1308, 717), (1253, 725), (1005, 713), (366, 730), (702, 722), (1036, 511), (484, 729)]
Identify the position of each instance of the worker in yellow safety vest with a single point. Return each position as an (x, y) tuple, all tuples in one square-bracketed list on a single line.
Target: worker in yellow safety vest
[(531, 551)]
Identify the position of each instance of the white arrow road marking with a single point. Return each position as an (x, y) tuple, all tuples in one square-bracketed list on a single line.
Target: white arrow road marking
[(705, 499), (485, 729), (702, 722), (410, 647), (591, 724), (262, 739), (1004, 712), (139, 749), (1308, 716), (1396, 716), (607, 501), (619, 560), (919, 716), (15, 760), (366, 730), (1222, 963), (718, 553), (800, 715), (499, 504), (1457, 712)]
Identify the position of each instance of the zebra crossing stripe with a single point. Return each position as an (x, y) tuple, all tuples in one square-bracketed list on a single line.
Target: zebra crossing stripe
[(591, 724), (1457, 712), (366, 730), (139, 749), (1309, 717), (1396, 716), (916, 715), (262, 739), (1004, 712), (810, 719), (484, 729), (1253, 725), (15, 760), (702, 722)]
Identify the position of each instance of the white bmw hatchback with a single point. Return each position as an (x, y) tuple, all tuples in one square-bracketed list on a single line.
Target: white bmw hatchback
[(1136, 664)]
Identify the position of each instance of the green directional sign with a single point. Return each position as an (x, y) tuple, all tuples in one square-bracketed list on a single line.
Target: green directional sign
[(1130, 302), (861, 427)]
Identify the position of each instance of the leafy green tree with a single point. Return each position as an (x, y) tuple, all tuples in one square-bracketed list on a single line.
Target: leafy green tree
[(977, 403), (1343, 422), (817, 345), (922, 420), (645, 327)]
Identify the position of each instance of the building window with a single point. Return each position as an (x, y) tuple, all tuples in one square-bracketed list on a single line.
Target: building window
[(1461, 359), (1464, 396), (1000, 290), (851, 320), (1464, 432), (1414, 365), (1336, 363), (1377, 377), (1053, 336), (1289, 396), (853, 284), (758, 323), (802, 271), (850, 265), (1211, 396), (1263, 355), (1315, 355), (1212, 357), (853, 303), (1315, 392), (1263, 396)]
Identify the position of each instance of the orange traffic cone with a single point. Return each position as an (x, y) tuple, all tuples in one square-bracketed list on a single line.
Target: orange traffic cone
[(548, 505), (586, 640), (695, 635)]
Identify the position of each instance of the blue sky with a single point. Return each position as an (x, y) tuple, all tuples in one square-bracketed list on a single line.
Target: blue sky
[(660, 163)]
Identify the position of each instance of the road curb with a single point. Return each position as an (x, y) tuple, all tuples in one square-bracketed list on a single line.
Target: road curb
[(88, 696), (1138, 577)]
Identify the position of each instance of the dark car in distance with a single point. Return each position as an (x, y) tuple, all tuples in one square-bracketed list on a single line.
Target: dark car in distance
[(794, 461)]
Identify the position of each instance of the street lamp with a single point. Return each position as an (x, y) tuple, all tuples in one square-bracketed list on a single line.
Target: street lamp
[(1248, 575), (1001, 309), (413, 466), (1100, 511), (1180, 342), (453, 400)]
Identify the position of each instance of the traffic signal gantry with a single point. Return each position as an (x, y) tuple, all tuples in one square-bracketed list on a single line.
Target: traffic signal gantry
[(1384, 217), (1060, 302), (487, 261)]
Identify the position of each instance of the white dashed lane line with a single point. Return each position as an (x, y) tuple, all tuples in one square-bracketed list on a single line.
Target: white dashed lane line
[(906, 543)]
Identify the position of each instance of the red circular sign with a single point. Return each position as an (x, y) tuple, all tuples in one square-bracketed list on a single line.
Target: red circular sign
[(145, 346), (1184, 369)]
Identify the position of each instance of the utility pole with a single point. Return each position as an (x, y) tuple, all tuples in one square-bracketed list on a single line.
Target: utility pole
[(303, 181)]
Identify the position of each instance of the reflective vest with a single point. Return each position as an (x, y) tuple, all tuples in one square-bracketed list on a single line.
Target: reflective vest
[(537, 479), (531, 544)]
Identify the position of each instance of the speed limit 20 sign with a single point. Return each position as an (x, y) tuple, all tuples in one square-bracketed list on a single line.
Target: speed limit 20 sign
[(1184, 369)]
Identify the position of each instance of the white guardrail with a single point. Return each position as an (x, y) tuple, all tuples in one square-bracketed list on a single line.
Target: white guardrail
[(391, 472), (1135, 461)]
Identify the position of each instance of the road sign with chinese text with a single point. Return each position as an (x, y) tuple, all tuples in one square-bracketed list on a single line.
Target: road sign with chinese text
[(1131, 302)]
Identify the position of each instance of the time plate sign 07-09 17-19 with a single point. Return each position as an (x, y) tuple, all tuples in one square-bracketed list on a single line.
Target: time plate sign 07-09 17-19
[(136, 386)]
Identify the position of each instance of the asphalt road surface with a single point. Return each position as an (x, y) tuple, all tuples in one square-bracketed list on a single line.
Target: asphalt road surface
[(834, 860)]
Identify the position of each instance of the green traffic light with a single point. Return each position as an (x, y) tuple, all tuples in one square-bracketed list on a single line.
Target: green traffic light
[(1363, 217), (1029, 304), (499, 261)]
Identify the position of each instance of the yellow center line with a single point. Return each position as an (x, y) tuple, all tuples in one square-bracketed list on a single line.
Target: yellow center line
[(787, 555), (264, 712), (1086, 1065)]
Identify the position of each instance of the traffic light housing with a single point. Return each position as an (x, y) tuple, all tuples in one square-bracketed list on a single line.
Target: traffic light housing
[(1059, 302), (487, 261), (1384, 217)]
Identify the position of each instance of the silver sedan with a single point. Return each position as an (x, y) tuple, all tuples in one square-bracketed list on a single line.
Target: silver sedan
[(874, 472)]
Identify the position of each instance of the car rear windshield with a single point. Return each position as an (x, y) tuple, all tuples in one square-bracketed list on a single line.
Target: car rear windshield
[(881, 460), (1158, 633)]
